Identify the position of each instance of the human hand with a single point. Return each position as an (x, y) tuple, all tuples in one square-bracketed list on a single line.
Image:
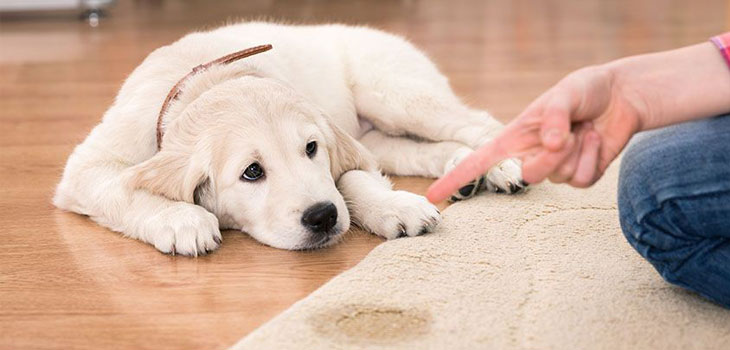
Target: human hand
[(570, 134)]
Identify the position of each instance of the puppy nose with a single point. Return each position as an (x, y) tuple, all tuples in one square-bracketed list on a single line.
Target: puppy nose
[(320, 217)]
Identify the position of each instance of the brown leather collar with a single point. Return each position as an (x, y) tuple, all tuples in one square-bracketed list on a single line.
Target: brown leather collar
[(175, 91)]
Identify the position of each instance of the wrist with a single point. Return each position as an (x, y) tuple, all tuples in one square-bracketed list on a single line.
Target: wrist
[(635, 103), (674, 86)]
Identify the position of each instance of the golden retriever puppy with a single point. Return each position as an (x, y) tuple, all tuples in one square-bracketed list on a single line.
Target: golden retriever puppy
[(285, 145)]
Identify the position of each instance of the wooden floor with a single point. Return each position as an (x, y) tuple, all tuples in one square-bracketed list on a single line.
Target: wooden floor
[(66, 283)]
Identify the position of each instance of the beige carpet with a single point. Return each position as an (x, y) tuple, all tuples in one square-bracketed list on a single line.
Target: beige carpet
[(549, 269)]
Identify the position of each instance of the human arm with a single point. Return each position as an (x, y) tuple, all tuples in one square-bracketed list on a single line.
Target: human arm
[(573, 131)]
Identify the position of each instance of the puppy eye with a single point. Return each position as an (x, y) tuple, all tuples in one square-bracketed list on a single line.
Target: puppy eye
[(311, 149), (253, 172)]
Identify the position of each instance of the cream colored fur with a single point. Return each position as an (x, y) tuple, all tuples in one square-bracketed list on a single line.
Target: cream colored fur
[(368, 99)]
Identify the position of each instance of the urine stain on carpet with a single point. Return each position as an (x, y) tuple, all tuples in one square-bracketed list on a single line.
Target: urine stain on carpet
[(372, 323)]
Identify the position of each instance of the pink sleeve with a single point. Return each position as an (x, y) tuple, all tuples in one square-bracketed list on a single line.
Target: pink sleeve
[(722, 42)]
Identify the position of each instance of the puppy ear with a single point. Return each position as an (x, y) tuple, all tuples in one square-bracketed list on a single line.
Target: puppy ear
[(346, 153), (170, 174)]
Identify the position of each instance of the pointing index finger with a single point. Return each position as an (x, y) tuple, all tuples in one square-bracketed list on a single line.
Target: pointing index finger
[(473, 166)]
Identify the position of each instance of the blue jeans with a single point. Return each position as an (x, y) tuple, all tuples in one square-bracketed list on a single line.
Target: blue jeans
[(674, 204)]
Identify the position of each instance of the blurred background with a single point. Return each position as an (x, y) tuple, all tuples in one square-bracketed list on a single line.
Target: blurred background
[(498, 53), (67, 283)]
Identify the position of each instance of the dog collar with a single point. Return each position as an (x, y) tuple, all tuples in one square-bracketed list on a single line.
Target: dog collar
[(177, 88)]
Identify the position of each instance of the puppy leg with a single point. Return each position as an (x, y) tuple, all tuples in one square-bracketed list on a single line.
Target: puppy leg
[(376, 207), (408, 157), (503, 177), (405, 156), (101, 192), (402, 93), (455, 125)]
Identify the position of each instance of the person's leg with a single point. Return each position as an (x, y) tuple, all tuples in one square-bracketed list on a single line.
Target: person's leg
[(674, 204)]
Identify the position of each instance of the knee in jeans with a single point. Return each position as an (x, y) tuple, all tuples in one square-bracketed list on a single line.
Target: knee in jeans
[(653, 226), (659, 235), (635, 195), (652, 238), (640, 162)]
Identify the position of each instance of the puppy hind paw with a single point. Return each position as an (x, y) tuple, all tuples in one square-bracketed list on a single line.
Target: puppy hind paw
[(506, 177)]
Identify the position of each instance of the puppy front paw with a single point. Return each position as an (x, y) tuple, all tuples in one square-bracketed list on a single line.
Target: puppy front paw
[(184, 229), (506, 177), (401, 214)]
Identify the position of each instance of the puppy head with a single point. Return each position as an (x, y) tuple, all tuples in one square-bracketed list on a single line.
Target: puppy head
[(259, 157)]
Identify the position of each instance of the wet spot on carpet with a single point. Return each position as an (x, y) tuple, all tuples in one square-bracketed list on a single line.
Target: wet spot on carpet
[(372, 323)]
